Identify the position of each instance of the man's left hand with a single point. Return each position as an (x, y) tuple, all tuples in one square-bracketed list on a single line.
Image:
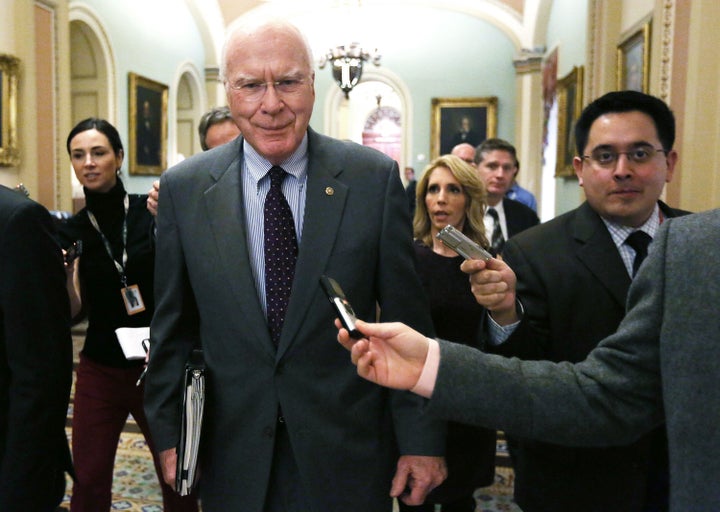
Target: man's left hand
[(416, 476)]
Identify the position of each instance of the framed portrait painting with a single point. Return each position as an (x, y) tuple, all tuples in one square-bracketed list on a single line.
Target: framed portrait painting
[(458, 120), (633, 61), (148, 125), (570, 103), (9, 151)]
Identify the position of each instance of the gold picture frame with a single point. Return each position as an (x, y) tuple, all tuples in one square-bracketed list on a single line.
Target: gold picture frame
[(633, 60), (148, 125), (570, 104), (9, 150), (449, 114)]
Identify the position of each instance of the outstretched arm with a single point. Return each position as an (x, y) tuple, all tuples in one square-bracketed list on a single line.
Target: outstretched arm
[(391, 354)]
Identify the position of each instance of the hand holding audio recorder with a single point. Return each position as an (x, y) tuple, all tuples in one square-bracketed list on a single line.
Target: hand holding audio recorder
[(461, 244), (344, 310)]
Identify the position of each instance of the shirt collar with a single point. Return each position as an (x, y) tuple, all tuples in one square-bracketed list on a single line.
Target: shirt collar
[(619, 233), (257, 166)]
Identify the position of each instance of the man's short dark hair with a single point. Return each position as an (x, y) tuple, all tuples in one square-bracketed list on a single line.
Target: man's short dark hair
[(495, 145), (627, 101), (212, 117)]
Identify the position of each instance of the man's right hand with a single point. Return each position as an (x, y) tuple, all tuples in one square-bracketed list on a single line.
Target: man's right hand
[(153, 198), (492, 283), (168, 461), (391, 354)]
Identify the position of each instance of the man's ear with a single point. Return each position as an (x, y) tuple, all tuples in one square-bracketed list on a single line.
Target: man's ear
[(578, 166)]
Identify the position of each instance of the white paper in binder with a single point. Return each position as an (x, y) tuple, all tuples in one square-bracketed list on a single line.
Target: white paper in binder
[(191, 428)]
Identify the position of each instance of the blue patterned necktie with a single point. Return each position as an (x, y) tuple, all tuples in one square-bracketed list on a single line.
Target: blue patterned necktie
[(638, 240), (281, 251), (497, 241)]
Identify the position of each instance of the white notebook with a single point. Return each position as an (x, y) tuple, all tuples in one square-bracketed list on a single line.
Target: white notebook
[(131, 341)]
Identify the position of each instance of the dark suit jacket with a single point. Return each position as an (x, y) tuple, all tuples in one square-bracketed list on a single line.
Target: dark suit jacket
[(36, 358), (518, 216), (412, 199), (573, 285), (345, 432), (662, 363)]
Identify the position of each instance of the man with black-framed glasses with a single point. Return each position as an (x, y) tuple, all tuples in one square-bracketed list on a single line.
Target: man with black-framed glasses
[(573, 274)]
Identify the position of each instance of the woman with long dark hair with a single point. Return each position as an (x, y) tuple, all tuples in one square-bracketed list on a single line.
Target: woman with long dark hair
[(116, 284)]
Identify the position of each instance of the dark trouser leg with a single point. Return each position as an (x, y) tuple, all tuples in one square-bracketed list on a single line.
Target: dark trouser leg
[(285, 492), (98, 418)]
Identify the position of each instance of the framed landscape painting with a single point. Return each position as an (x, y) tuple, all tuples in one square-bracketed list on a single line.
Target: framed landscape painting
[(570, 103), (633, 61)]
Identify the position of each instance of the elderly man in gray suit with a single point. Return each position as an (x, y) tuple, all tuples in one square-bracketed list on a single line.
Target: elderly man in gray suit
[(661, 364), (288, 425)]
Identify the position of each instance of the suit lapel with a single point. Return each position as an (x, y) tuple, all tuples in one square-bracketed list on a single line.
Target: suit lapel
[(599, 254), (226, 218), (324, 206), (511, 220)]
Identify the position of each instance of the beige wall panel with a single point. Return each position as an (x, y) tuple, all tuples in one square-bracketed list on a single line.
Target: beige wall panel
[(84, 105), (45, 97), (185, 137), (699, 176)]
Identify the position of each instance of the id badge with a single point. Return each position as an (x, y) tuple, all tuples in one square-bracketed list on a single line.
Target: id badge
[(133, 300)]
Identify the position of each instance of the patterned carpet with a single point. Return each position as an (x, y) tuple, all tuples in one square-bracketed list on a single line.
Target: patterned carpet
[(135, 486), (499, 496)]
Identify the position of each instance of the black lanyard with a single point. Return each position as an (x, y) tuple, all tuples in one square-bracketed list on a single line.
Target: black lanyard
[(120, 267)]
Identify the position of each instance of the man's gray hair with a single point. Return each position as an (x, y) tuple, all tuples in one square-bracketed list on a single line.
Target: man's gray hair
[(247, 26)]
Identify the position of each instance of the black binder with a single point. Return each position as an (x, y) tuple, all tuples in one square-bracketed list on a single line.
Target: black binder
[(193, 405)]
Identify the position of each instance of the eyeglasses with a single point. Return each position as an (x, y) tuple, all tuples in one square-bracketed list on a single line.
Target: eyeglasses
[(606, 158), (254, 90)]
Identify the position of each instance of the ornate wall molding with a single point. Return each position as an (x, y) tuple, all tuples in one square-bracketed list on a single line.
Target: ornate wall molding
[(529, 60), (666, 48), (593, 29)]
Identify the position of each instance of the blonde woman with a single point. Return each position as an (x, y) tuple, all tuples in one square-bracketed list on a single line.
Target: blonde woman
[(451, 192)]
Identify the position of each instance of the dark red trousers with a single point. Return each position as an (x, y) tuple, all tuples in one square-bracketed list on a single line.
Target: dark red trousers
[(104, 397)]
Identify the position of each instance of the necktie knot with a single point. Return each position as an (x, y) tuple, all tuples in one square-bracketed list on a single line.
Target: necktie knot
[(639, 241), (277, 175), (493, 213)]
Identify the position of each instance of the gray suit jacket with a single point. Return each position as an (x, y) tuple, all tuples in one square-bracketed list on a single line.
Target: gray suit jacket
[(345, 433), (662, 362)]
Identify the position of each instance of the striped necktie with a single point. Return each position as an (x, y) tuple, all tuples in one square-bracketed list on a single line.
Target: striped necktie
[(497, 240)]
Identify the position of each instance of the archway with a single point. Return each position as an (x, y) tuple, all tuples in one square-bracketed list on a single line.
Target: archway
[(92, 77), (345, 119), (186, 105)]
